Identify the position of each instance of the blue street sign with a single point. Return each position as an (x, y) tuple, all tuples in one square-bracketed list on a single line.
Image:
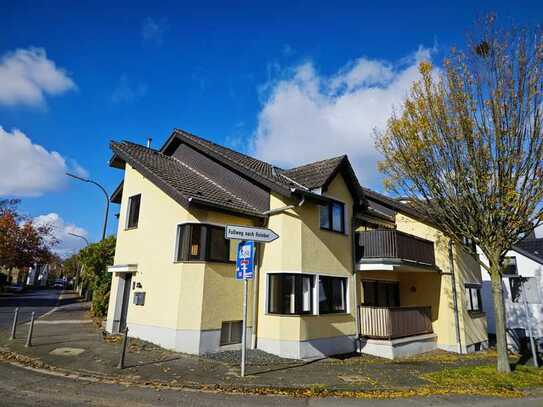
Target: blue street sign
[(245, 264)]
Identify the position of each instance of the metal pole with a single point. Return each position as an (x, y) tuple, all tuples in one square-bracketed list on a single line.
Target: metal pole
[(255, 299), (529, 326), (106, 195), (14, 326), (123, 349), (244, 329), (30, 329)]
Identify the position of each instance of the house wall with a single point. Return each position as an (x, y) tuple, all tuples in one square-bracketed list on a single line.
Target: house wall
[(185, 303), (515, 311), (304, 248), (467, 270)]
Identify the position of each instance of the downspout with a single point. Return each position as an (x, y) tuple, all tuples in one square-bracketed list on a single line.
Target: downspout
[(455, 297), (358, 345), (257, 268)]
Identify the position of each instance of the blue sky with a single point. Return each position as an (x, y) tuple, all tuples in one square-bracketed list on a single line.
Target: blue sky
[(264, 78)]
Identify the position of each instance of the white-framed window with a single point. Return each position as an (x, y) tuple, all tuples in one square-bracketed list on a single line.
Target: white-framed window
[(290, 294), (473, 297), (133, 212)]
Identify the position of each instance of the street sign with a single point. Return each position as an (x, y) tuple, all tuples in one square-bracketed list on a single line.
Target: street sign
[(245, 260), (262, 235)]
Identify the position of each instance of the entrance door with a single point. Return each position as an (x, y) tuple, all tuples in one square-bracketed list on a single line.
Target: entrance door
[(125, 301)]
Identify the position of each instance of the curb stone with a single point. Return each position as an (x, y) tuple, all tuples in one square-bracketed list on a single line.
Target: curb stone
[(297, 392)]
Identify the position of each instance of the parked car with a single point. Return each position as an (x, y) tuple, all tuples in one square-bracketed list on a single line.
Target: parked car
[(14, 288)]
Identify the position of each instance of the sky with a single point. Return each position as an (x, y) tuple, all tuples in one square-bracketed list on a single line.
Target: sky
[(287, 81)]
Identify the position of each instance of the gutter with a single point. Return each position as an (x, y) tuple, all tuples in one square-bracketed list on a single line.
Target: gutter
[(455, 297), (358, 325)]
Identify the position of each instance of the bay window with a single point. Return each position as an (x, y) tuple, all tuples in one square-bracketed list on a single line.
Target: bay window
[(290, 294), (201, 242), (332, 295)]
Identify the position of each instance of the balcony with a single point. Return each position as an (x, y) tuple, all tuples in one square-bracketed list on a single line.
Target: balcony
[(395, 322), (394, 249)]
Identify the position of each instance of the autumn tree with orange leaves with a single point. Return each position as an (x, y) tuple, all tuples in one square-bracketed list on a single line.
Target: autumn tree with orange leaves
[(22, 243), (467, 147)]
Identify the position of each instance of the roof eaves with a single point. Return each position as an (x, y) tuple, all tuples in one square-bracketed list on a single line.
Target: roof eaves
[(528, 254), (140, 167)]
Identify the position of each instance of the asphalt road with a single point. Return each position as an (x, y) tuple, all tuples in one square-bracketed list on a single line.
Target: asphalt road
[(38, 301), (23, 387)]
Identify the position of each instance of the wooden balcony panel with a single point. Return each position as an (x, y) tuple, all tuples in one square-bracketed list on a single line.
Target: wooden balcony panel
[(395, 322), (393, 244)]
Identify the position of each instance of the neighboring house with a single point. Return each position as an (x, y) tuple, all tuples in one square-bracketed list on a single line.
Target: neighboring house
[(524, 269), (351, 270), (37, 275)]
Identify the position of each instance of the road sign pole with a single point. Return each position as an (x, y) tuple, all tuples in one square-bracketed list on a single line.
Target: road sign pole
[(528, 323), (244, 329), (255, 299)]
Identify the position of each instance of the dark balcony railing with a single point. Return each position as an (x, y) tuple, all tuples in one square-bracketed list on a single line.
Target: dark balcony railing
[(395, 322), (393, 244)]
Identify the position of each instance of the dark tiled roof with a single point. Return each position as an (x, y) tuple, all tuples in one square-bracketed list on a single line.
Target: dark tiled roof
[(316, 174), (260, 170), (182, 182), (532, 246)]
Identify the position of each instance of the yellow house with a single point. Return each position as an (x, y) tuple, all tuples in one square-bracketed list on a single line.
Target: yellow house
[(352, 270)]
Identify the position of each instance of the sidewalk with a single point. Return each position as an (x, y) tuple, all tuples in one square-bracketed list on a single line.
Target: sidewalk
[(67, 340)]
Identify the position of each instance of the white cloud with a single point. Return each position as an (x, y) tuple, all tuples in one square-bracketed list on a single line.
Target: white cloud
[(27, 75), (152, 31), (127, 92), (307, 117), (67, 244), (29, 169)]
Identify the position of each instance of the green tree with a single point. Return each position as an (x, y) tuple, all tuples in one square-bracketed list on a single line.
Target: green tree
[(468, 147), (95, 259)]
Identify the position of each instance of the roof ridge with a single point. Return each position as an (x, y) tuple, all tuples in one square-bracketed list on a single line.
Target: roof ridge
[(184, 132), (200, 141), (316, 162), (213, 182)]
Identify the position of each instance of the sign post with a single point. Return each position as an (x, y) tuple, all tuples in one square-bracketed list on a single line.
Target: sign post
[(245, 272), (245, 269)]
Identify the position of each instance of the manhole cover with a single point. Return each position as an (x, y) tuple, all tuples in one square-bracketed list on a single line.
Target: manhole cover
[(67, 351)]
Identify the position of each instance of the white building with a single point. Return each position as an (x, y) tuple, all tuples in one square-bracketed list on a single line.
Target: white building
[(524, 268)]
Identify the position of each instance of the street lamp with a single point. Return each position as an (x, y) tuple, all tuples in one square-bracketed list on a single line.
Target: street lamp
[(105, 193), (79, 236)]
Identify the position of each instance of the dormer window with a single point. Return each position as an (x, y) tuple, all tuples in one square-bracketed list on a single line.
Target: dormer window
[(332, 217), (133, 211)]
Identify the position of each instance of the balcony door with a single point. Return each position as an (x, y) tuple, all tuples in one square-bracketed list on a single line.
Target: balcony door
[(378, 293)]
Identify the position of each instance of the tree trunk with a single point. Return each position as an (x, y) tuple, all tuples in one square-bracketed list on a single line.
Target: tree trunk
[(499, 312)]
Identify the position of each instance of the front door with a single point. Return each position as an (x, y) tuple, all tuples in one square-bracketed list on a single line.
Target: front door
[(125, 301)]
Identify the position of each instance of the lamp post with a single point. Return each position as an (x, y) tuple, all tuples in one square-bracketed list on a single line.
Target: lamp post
[(81, 237), (106, 195)]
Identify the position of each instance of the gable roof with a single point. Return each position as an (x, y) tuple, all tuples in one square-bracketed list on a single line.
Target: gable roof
[(192, 182), (260, 171), (181, 182), (304, 178), (315, 175)]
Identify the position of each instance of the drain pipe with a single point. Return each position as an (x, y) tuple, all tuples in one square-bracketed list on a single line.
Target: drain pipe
[(258, 266), (358, 344), (455, 296)]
